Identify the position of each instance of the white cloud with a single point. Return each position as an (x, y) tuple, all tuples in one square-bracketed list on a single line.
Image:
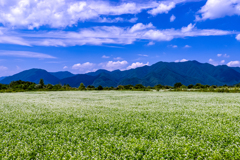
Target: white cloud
[(111, 65), (223, 61), (151, 43), (105, 56), (26, 54), (162, 8), (187, 46), (117, 58), (234, 64), (173, 46), (226, 56), (211, 61), (115, 20), (140, 26), (219, 8), (223, 55), (172, 18), (3, 68), (188, 28), (136, 65), (83, 67), (183, 60), (65, 67), (143, 55), (61, 13), (238, 37), (106, 35)]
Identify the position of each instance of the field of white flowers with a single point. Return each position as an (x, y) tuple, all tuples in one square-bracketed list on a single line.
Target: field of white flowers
[(119, 125)]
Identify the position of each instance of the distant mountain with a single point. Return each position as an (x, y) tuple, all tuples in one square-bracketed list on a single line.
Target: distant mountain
[(236, 69), (164, 73), (1, 78), (32, 75), (62, 75), (80, 78)]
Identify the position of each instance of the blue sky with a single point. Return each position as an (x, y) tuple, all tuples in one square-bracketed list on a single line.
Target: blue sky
[(83, 36)]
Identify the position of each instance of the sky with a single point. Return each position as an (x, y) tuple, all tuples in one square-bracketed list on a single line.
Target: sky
[(83, 36)]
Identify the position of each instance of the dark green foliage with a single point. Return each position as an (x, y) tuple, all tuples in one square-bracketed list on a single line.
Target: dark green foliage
[(90, 87), (190, 86), (139, 86), (49, 86), (100, 87), (82, 87), (178, 85), (120, 87), (57, 86), (41, 82), (128, 87)]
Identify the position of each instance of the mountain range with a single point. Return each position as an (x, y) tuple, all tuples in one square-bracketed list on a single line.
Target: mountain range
[(165, 73)]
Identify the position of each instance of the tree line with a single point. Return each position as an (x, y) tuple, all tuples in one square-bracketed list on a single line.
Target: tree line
[(21, 86)]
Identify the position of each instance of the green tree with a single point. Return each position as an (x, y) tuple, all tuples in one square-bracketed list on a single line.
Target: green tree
[(120, 87), (177, 85), (90, 87), (82, 87), (49, 86), (139, 86), (100, 87), (190, 86), (41, 82)]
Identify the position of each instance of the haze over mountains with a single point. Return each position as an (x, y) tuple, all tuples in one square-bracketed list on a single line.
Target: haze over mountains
[(164, 73)]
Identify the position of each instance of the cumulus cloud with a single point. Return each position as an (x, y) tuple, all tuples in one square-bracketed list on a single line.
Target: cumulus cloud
[(219, 55), (234, 64), (61, 13), (111, 65), (183, 60), (26, 54), (222, 61), (140, 26), (83, 67), (65, 67), (238, 37), (136, 65), (162, 8), (218, 8), (188, 28), (172, 18), (213, 62)]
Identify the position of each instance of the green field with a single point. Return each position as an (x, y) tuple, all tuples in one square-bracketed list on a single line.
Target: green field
[(119, 125)]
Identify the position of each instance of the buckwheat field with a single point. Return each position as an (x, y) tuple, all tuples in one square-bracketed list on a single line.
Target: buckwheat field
[(119, 125)]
